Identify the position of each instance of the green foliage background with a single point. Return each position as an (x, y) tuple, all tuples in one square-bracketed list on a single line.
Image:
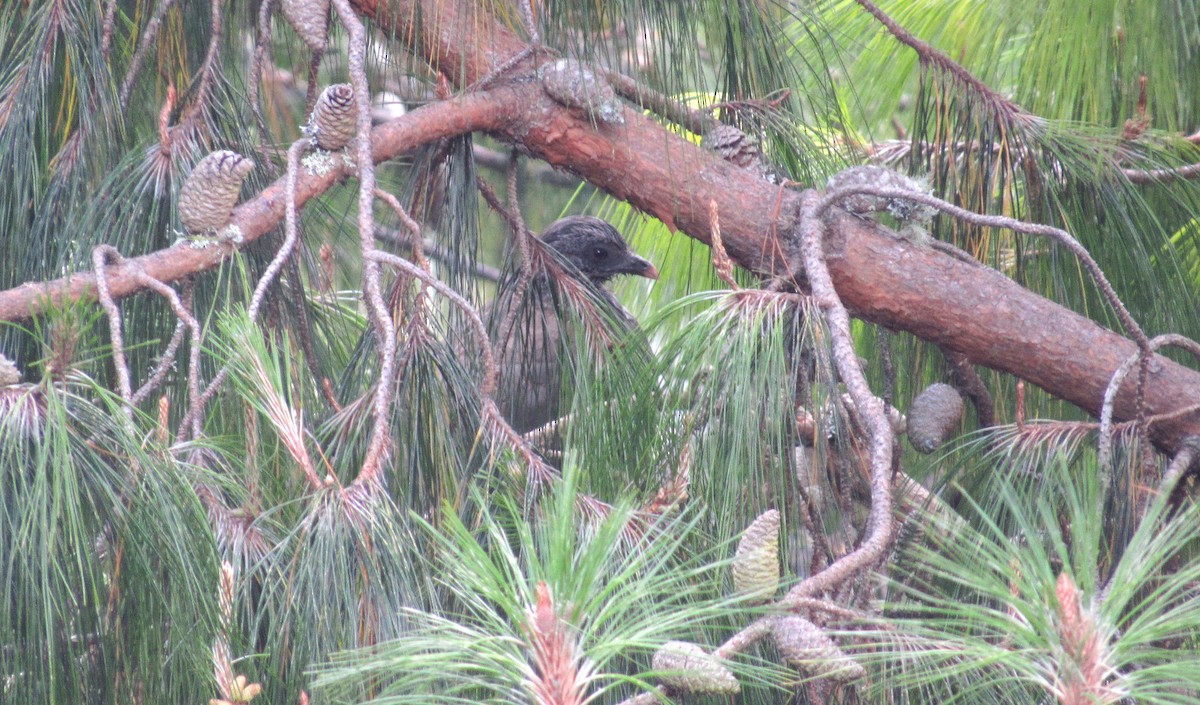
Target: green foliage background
[(112, 532)]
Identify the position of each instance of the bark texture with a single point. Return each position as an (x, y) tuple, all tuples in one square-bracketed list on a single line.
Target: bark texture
[(966, 308)]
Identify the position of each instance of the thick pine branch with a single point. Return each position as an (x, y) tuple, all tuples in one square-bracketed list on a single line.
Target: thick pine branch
[(263, 213), (968, 309), (963, 307)]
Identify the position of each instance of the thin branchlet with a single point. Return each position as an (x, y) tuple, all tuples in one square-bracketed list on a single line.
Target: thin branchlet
[(109, 25), (183, 314), (415, 241), (879, 429), (377, 308), (165, 362), (209, 68), (1064, 238), (1114, 385), (931, 56), (262, 41), (520, 231), (101, 256), (290, 230), (149, 35)]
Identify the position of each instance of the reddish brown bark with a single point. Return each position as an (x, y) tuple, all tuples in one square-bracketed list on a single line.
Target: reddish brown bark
[(997, 323), (261, 214), (966, 308)]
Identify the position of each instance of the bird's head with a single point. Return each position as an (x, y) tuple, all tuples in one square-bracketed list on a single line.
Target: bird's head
[(595, 248)]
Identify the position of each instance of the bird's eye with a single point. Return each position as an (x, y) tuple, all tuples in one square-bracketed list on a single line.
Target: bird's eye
[(600, 253)]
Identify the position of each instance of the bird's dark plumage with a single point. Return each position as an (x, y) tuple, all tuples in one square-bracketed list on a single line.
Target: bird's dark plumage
[(595, 248), (530, 353)]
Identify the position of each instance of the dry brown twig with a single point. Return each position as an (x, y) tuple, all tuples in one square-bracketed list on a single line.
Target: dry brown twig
[(165, 361), (149, 35), (695, 121), (100, 258), (894, 151), (208, 69), (261, 42), (1114, 385), (432, 250), (520, 230), (879, 429), (522, 238), (1179, 465), (996, 221), (1157, 176), (109, 25), (930, 55), (414, 240), (185, 316), (770, 102), (290, 229), (381, 319), (721, 262)]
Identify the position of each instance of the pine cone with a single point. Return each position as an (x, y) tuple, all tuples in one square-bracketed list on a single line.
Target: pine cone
[(310, 19), (211, 191), (9, 374), (333, 121), (689, 669), (806, 647), (933, 417), (732, 145), (736, 147), (756, 563)]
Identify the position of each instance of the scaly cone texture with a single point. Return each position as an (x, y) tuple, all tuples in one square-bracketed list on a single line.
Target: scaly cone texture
[(933, 417), (211, 191), (310, 19), (687, 668), (733, 145), (756, 563), (741, 149), (332, 124), (803, 645)]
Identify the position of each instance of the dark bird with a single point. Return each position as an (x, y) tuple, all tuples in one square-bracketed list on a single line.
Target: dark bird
[(530, 340)]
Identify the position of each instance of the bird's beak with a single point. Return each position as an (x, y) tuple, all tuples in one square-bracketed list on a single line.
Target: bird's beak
[(649, 271)]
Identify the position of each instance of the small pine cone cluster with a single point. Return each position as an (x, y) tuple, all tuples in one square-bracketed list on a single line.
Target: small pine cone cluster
[(333, 121), (803, 645), (688, 668), (756, 563), (574, 85), (211, 191), (933, 417), (310, 19)]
